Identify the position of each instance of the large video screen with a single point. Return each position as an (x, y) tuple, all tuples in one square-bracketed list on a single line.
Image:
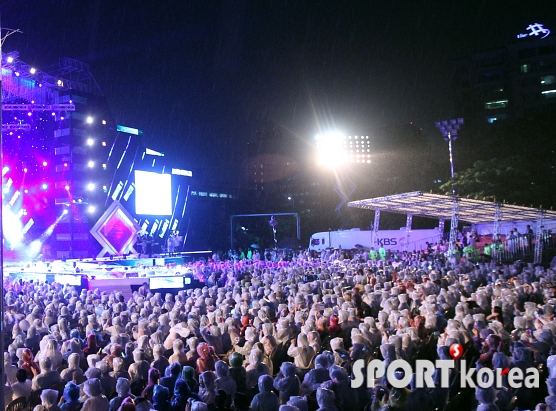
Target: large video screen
[(153, 193), (156, 283)]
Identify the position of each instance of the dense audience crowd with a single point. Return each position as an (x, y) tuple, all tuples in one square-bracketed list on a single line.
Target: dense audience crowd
[(282, 336)]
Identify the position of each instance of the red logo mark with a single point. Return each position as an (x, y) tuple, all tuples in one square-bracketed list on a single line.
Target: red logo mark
[(456, 351)]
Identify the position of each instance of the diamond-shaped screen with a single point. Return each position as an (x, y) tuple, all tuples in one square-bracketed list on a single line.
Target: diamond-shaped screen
[(153, 193)]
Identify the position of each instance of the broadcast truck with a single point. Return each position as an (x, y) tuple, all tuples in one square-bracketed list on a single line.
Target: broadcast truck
[(389, 239)]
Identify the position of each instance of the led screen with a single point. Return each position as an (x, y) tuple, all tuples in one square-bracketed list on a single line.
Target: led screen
[(153, 193), (165, 282), (68, 279)]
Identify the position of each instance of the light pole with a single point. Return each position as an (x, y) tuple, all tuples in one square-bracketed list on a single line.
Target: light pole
[(449, 129)]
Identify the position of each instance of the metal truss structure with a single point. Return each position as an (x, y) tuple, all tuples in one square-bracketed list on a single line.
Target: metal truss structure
[(16, 126), (24, 83), (443, 207), (38, 107)]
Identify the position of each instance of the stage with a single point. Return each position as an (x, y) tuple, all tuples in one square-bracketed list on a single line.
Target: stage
[(124, 274)]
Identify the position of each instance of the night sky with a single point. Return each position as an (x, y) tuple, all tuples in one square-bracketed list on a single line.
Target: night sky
[(199, 77)]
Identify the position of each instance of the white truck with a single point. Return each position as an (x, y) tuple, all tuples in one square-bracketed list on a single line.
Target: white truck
[(389, 239)]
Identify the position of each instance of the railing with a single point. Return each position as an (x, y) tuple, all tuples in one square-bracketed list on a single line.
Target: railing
[(523, 248)]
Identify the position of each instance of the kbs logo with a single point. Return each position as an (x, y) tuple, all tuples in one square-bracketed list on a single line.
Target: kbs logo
[(387, 241)]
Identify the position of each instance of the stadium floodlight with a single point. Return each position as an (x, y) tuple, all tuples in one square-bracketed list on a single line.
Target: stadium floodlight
[(330, 147), (449, 129)]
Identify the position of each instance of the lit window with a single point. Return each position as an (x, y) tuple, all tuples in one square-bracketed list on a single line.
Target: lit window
[(492, 105), (547, 80)]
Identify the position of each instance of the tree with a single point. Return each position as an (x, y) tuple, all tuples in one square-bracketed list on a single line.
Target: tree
[(517, 179)]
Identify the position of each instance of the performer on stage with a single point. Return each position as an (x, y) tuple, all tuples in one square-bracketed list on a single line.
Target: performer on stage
[(142, 237), (172, 243)]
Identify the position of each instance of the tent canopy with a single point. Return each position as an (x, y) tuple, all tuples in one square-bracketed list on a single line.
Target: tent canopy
[(441, 206)]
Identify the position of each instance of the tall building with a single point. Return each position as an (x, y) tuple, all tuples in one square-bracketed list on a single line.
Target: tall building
[(511, 82)]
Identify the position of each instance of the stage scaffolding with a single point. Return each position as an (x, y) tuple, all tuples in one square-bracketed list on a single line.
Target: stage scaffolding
[(457, 209), (23, 83)]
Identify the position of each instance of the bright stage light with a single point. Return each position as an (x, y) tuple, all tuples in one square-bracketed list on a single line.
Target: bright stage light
[(44, 163), (10, 59), (65, 164), (33, 70), (90, 186), (65, 211), (5, 170), (44, 186), (67, 187), (25, 170), (90, 141), (330, 149), (104, 122), (104, 144), (90, 120), (16, 73), (91, 209), (14, 198), (91, 164), (60, 83), (11, 226), (34, 249)]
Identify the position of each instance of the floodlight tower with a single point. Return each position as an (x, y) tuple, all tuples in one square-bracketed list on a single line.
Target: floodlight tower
[(449, 129)]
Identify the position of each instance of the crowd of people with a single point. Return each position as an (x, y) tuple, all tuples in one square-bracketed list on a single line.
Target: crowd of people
[(282, 336)]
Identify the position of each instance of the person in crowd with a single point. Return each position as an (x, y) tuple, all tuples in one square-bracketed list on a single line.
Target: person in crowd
[(70, 398), (22, 386)]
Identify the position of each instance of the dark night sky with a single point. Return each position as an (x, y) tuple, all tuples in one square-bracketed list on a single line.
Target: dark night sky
[(199, 76)]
